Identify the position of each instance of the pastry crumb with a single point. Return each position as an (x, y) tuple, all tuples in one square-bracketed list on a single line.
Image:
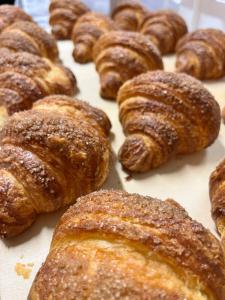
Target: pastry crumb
[(23, 270), (30, 264)]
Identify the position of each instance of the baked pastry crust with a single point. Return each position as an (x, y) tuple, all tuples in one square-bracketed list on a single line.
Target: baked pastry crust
[(202, 54), (25, 78), (164, 28), (63, 15), (87, 30), (164, 114), (24, 36), (128, 14), (115, 245), (10, 14), (120, 56), (49, 156)]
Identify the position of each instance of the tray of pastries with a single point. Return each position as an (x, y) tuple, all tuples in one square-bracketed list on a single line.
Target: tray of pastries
[(112, 147)]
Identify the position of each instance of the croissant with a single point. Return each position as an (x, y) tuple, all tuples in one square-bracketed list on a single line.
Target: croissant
[(25, 78), (49, 156), (121, 55), (29, 37), (128, 14), (164, 28), (63, 16), (202, 54), (217, 196), (10, 14), (164, 114), (115, 245), (86, 32)]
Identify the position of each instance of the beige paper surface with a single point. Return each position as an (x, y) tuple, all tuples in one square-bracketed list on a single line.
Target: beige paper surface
[(184, 179)]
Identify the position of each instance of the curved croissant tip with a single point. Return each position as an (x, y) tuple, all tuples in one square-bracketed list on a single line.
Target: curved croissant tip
[(82, 53), (59, 32), (110, 84), (184, 65), (135, 155)]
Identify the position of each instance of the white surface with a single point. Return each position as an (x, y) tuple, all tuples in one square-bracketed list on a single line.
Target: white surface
[(185, 179), (202, 13)]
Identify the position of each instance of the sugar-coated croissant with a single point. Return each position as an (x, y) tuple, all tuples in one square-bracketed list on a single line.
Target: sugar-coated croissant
[(164, 28), (217, 196), (121, 55), (114, 245), (164, 114), (86, 32), (49, 156), (63, 16), (129, 14), (29, 37), (202, 54), (25, 78), (10, 14)]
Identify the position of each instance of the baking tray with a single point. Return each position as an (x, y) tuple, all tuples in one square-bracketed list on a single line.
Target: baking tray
[(184, 179)]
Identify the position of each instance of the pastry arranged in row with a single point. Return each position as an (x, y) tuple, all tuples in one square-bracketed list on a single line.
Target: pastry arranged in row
[(86, 32), (25, 78), (63, 16), (164, 28), (129, 14), (120, 56), (164, 114), (49, 156), (202, 54), (10, 14), (115, 245), (24, 36)]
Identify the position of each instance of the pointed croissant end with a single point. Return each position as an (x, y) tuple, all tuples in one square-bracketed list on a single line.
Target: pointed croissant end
[(82, 53), (135, 155), (14, 217), (110, 84), (59, 32), (186, 65)]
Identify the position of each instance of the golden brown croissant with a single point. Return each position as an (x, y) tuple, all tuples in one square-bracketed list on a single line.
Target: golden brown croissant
[(128, 14), (86, 32), (121, 55), (63, 16), (29, 37), (114, 245), (202, 54), (49, 156), (10, 14), (164, 114), (164, 28), (25, 78), (217, 196)]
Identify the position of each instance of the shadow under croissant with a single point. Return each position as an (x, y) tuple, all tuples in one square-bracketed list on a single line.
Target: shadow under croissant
[(180, 161), (113, 181), (48, 220)]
